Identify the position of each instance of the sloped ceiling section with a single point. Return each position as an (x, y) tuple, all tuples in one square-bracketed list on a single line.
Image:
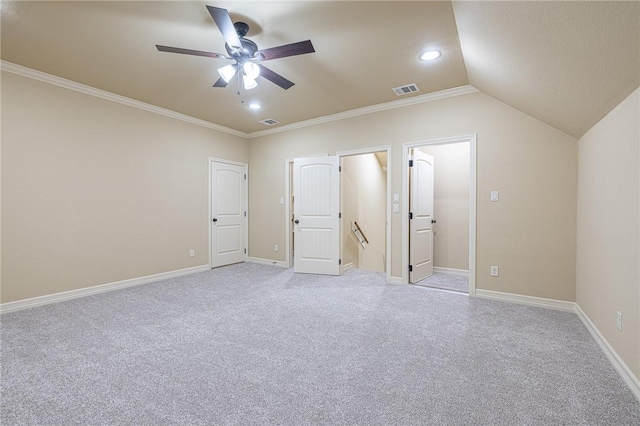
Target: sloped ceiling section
[(565, 63), (363, 50)]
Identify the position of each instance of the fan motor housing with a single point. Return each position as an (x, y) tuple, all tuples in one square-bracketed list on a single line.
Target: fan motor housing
[(249, 49)]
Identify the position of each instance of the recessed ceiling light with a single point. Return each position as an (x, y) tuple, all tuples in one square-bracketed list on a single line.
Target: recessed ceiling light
[(430, 55), (254, 106)]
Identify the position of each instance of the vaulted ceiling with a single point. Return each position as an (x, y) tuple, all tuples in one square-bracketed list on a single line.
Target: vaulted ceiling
[(565, 63)]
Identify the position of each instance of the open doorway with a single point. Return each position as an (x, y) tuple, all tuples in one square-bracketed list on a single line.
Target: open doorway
[(364, 221), (452, 221), (366, 185)]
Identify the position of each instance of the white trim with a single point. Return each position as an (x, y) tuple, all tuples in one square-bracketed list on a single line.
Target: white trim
[(347, 266), (287, 211), (395, 280), (540, 302), (270, 262), (429, 97), (451, 271), (360, 151), (246, 205), (621, 367), (33, 302), (92, 91), (472, 140)]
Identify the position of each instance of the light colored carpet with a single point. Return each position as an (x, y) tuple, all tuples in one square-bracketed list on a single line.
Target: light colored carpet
[(446, 282), (253, 344)]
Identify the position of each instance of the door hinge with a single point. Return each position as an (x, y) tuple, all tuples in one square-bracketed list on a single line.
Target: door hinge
[(339, 261), (245, 176), (410, 163), (410, 216), (339, 215), (245, 251), (245, 214), (410, 268), (339, 168)]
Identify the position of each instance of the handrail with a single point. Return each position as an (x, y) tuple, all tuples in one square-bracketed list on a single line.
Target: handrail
[(361, 233)]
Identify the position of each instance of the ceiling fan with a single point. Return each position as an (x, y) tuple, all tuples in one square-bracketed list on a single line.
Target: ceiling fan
[(245, 53)]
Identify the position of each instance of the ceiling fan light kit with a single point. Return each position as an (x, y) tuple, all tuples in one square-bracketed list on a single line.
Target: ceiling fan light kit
[(245, 53)]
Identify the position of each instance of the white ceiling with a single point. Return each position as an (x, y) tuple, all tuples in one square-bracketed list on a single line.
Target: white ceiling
[(566, 63)]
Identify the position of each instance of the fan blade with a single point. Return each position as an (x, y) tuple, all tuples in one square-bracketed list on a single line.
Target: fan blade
[(191, 52), (223, 21), (275, 77), (299, 48), (220, 83)]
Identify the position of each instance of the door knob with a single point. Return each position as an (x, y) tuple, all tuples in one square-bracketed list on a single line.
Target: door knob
[(296, 221), (433, 221), (215, 219)]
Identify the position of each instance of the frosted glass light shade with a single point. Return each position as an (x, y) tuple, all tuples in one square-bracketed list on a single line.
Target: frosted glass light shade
[(249, 83), (227, 72), (251, 70)]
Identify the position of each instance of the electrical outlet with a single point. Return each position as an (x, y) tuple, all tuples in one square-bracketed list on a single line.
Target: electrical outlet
[(276, 248), (494, 271), (192, 253), (619, 321)]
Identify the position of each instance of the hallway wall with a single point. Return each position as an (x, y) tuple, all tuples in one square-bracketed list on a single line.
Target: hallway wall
[(364, 201), (451, 207)]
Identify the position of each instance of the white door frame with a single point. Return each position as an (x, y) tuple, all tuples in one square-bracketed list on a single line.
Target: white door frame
[(387, 149), (406, 148), (246, 204)]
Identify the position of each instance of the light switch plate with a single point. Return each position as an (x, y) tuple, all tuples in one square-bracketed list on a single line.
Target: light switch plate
[(495, 196), (396, 198), (396, 208)]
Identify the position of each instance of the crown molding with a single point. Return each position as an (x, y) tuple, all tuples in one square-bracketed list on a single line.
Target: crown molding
[(429, 97), (92, 91)]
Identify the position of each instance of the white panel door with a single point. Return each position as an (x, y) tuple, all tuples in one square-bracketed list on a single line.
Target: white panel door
[(316, 207), (421, 200), (228, 213)]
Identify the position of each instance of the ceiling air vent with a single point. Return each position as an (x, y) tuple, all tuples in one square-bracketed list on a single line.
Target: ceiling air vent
[(269, 122), (405, 90)]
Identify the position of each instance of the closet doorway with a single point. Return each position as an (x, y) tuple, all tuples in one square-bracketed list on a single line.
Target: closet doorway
[(446, 248)]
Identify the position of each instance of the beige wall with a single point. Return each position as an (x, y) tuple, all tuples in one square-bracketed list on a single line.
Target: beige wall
[(451, 205), (530, 234), (364, 200), (608, 254), (95, 192)]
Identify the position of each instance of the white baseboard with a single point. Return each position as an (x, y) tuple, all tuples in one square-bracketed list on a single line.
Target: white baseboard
[(347, 266), (19, 305), (395, 280), (451, 271), (540, 302), (279, 263), (621, 367)]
